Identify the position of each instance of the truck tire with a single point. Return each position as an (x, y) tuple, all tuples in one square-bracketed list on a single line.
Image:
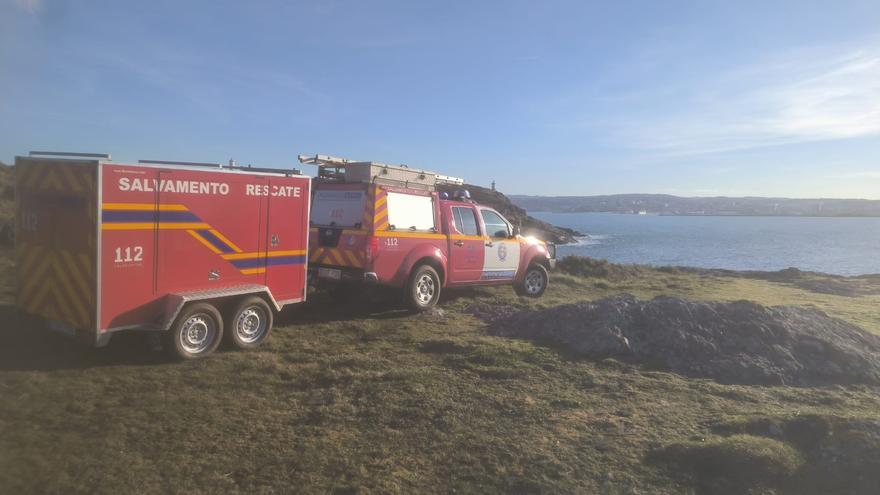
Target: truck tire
[(195, 333), (534, 282), (249, 323), (423, 288)]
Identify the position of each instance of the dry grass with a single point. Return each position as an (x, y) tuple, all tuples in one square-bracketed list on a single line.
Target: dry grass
[(373, 400)]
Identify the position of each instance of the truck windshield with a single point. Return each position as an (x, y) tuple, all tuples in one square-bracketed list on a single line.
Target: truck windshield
[(495, 225), (343, 208)]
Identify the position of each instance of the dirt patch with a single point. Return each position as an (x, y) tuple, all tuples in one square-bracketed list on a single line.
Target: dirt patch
[(731, 342)]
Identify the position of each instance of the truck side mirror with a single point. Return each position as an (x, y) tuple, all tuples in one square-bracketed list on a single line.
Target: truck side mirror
[(516, 231)]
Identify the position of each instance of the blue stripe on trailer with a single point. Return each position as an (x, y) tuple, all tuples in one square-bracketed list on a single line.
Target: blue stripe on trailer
[(215, 241), (140, 216), (273, 261)]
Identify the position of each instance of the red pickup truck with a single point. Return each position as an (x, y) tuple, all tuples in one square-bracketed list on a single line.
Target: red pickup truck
[(372, 223)]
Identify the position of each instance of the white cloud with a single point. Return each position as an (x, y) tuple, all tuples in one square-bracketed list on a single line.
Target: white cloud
[(812, 98)]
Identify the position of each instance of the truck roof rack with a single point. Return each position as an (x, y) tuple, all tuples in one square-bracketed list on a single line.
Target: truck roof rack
[(105, 156), (335, 169)]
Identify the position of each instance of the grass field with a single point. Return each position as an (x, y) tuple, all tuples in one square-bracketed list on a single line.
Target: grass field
[(372, 400)]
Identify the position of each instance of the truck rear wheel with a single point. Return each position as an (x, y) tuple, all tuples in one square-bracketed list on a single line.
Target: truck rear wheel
[(249, 324), (423, 289), (534, 282), (195, 333)]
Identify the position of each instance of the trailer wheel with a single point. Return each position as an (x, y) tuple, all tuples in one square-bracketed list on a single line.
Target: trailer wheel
[(249, 323), (196, 332), (534, 282), (423, 289)]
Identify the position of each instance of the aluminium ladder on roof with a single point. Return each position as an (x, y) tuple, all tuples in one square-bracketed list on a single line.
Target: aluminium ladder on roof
[(332, 168)]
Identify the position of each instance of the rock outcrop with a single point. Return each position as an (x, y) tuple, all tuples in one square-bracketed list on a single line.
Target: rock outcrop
[(730, 342)]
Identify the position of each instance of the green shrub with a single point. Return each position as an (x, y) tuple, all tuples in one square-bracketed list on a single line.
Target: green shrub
[(734, 464), (583, 266)]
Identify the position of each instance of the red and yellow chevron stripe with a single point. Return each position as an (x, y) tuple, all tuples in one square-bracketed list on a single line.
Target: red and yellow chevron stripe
[(367, 220), (56, 176), (56, 284), (56, 275), (380, 210), (336, 257)]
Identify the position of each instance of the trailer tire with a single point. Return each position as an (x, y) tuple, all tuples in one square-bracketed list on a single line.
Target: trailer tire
[(195, 333), (534, 282), (249, 324), (423, 288)]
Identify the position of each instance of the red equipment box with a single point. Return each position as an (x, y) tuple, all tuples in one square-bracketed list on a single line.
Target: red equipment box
[(103, 246)]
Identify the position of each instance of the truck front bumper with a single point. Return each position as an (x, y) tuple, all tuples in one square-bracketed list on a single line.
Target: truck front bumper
[(551, 254)]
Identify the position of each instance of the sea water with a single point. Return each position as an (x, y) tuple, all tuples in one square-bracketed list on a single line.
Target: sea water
[(844, 246)]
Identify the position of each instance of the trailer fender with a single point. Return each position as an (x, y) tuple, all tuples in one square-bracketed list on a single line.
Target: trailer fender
[(420, 254), (175, 302)]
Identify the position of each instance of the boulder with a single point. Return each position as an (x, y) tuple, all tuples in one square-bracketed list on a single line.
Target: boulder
[(730, 342)]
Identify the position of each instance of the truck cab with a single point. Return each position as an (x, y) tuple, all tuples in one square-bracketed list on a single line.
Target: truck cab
[(376, 224)]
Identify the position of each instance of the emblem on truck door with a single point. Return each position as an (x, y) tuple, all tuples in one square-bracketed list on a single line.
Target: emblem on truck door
[(502, 251)]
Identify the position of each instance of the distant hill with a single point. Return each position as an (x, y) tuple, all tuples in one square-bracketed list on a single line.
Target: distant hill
[(664, 204), (7, 203)]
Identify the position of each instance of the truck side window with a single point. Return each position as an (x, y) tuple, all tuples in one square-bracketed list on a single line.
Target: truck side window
[(465, 220), (495, 225)]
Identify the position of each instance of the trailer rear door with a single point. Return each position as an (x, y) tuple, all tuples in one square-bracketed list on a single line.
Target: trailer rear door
[(56, 237)]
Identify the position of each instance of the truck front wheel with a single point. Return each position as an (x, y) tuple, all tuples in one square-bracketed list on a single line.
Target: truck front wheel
[(534, 282), (195, 333), (423, 288), (249, 323)]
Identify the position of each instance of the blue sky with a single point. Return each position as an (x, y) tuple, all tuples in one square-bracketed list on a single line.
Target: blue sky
[(690, 98)]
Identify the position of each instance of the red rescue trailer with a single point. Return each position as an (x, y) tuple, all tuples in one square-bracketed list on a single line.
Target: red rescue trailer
[(199, 252)]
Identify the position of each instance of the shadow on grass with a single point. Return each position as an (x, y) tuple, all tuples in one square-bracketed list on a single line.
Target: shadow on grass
[(374, 303), (321, 307), (29, 346)]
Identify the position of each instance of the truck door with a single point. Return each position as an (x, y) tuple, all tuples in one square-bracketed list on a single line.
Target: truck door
[(501, 253), (465, 245)]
